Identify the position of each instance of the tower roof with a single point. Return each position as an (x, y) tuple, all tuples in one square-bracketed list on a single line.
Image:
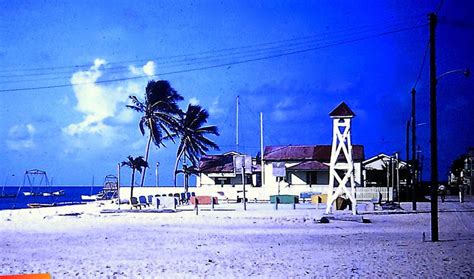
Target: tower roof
[(342, 110)]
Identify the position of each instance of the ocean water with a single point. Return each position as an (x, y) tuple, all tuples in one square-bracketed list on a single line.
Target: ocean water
[(71, 194)]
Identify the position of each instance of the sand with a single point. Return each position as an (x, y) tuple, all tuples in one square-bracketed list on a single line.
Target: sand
[(80, 242)]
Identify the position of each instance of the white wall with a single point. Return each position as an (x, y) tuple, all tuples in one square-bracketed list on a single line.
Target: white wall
[(206, 185)]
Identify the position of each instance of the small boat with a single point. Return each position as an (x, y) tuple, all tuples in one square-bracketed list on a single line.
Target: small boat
[(40, 205), (56, 193), (33, 194), (100, 196), (89, 197), (109, 190)]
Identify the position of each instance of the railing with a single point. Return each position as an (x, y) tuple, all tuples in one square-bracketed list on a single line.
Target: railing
[(369, 193)]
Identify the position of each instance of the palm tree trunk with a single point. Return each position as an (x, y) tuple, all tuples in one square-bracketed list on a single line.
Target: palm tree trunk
[(186, 181), (133, 182), (147, 152), (176, 165)]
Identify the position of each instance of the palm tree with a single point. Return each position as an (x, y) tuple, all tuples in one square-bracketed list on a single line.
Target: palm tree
[(193, 141), (160, 113), (135, 164)]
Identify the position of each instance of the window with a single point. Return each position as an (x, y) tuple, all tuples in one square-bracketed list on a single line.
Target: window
[(317, 177), (311, 177), (288, 178), (222, 181), (258, 178)]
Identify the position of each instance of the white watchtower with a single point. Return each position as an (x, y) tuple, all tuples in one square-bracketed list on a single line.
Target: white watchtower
[(341, 166)]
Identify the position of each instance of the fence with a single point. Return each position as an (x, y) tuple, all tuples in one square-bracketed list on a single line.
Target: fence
[(368, 193)]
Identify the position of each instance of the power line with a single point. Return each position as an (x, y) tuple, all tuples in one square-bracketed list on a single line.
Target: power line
[(440, 5), (422, 64), (249, 50), (219, 65), (78, 67), (441, 2)]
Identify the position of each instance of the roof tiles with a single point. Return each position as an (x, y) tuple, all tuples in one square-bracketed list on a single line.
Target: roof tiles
[(342, 110), (321, 153)]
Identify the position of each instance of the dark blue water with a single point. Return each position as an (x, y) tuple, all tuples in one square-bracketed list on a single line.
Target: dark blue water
[(71, 194)]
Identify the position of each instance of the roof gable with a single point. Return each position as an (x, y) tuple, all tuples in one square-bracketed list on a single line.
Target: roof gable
[(309, 166), (342, 110), (320, 153), (216, 163)]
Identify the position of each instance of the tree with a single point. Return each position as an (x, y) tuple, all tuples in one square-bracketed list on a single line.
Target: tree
[(160, 113), (193, 142), (458, 165), (135, 164)]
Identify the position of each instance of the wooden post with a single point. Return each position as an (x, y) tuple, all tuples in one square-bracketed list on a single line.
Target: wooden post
[(196, 207), (277, 200), (212, 203), (434, 132), (414, 160), (243, 183), (262, 165), (118, 184)]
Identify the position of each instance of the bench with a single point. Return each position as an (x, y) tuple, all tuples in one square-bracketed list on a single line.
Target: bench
[(203, 200)]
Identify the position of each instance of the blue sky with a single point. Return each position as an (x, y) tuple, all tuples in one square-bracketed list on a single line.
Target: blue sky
[(75, 132)]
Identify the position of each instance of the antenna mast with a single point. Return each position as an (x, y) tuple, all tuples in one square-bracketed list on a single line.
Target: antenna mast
[(261, 149), (237, 124)]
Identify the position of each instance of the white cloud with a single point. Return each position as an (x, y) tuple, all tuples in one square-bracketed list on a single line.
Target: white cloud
[(285, 103), (194, 101), (102, 106), (64, 100), (216, 110), (134, 70), (21, 137), (280, 115), (148, 69), (126, 116), (288, 109)]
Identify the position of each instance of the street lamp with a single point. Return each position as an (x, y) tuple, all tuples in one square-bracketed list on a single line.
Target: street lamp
[(157, 180), (466, 72), (434, 143)]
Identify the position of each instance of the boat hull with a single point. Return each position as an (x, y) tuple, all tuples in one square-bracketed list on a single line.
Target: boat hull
[(32, 194)]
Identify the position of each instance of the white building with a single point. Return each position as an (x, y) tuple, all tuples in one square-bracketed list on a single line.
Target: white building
[(385, 173), (307, 170)]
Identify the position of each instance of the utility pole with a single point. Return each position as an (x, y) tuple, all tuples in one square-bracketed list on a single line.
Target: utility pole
[(392, 177), (389, 163), (237, 123), (243, 183), (408, 144), (397, 168), (434, 131), (118, 184), (414, 165), (262, 165), (157, 177)]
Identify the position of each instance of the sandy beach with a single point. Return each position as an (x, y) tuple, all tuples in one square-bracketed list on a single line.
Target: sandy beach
[(80, 242)]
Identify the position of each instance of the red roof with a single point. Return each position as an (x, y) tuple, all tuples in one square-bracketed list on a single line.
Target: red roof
[(220, 164), (309, 165), (321, 153), (342, 110), (216, 163)]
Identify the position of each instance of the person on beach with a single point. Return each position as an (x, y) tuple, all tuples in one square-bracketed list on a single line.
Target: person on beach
[(461, 193), (442, 192)]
